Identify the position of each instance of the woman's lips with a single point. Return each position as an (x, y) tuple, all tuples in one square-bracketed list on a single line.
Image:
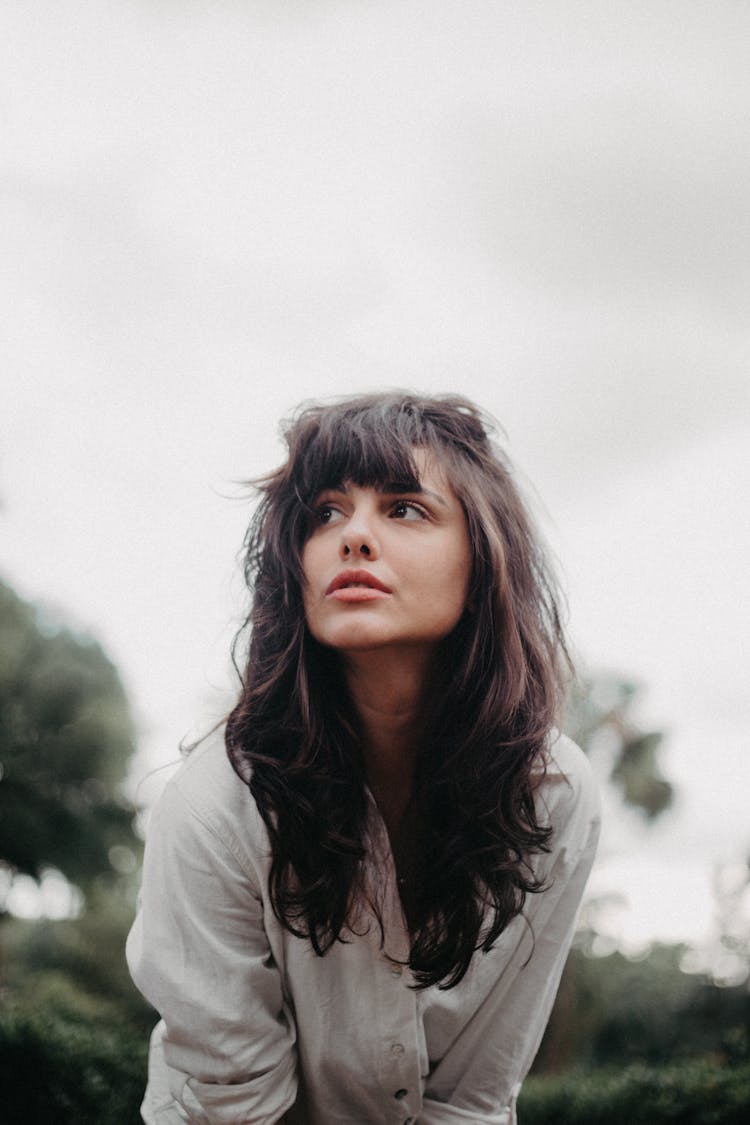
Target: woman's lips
[(357, 594), (356, 586)]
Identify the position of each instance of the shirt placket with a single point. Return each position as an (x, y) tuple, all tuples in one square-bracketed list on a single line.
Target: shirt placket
[(398, 1066), (398, 1062)]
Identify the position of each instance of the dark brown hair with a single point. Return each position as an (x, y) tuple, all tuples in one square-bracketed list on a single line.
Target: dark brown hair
[(500, 674)]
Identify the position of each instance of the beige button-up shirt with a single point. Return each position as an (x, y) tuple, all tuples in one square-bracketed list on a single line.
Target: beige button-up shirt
[(255, 1023)]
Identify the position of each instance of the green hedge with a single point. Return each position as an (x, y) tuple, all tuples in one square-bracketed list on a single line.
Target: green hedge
[(58, 1072), (692, 1093)]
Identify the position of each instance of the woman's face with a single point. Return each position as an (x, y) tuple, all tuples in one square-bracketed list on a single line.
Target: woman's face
[(387, 568)]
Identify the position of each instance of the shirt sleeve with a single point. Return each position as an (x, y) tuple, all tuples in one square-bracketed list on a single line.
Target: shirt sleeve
[(480, 1076), (198, 951)]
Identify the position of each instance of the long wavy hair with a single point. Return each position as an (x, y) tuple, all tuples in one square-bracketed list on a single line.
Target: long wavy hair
[(500, 675)]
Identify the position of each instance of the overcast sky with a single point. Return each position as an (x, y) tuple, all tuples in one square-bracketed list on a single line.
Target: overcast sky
[(213, 210)]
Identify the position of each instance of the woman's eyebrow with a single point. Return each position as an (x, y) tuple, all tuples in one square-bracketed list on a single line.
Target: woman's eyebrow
[(392, 488), (398, 488)]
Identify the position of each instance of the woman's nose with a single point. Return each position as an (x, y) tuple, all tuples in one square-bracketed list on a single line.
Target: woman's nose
[(362, 549), (358, 539)]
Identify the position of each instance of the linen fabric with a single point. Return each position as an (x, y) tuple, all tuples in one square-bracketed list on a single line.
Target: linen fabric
[(255, 1025)]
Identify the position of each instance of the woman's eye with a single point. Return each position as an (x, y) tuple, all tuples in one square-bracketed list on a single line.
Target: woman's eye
[(407, 510), (326, 513)]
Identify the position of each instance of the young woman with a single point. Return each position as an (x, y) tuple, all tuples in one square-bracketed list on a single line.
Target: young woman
[(356, 907)]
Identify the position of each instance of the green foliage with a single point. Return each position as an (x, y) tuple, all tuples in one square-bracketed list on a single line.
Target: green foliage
[(74, 1030), (66, 739), (691, 1093), (73, 1016), (615, 1010), (76, 968), (60, 1071)]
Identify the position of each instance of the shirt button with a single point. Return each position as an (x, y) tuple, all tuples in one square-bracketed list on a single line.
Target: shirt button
[(397, 1048), (401, 1094)]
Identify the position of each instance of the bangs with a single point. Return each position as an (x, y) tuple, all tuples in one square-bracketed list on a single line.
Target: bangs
[(369, 446)]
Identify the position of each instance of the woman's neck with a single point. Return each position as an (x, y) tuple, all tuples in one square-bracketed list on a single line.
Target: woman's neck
[(388, 692)]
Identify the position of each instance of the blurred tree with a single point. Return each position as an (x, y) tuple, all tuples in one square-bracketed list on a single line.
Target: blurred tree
[(66, 739), (643, 1010), (731, 954), (598, 717), (599, 714), (74, 968), (725, 953)]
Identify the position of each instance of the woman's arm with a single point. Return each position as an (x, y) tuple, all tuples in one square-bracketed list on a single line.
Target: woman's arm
[(479, 1077), (199, 952)]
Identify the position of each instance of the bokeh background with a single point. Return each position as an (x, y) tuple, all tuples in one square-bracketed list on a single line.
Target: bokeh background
[(213, 210)]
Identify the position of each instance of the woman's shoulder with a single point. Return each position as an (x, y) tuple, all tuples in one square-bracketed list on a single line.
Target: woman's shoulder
[(568, 790), (206, 793), (206, 772), (565, 757)]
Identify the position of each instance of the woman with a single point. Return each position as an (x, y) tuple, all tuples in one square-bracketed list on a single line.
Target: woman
[(357, 908)]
